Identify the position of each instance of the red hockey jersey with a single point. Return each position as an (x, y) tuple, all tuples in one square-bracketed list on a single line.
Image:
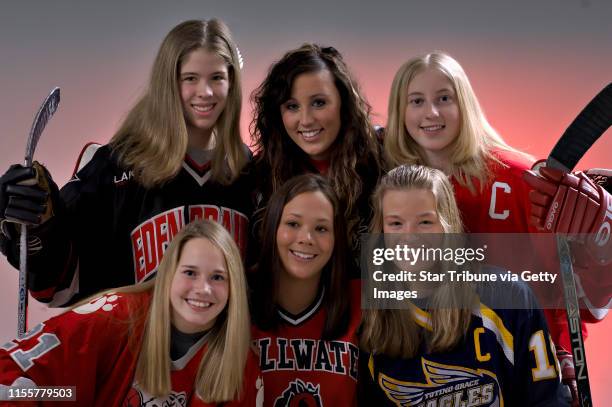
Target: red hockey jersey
[(301, 369), (93, 349), (502, 206)]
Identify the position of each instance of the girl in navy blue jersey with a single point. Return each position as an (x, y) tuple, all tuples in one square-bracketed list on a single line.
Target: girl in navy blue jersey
[(450, 346)]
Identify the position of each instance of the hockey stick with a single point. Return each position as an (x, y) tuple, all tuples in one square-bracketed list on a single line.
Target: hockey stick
[(586, 128), (584, 131), (47, 109)]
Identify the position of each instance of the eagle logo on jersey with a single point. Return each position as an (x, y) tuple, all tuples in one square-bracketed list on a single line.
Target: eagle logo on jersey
[(446, 385), (140, 398), (300, 394), (105, 303)]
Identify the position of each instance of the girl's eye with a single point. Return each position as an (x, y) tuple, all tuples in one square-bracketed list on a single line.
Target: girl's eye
[(292, 106), (218, 277), (218, 77), (292, 224), (189, 272), (189, 79), (318, 103), (321, 229), (416, 101), (445, 99), (394, 224)]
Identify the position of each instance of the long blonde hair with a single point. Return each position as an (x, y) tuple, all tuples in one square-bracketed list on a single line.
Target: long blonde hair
[(394, 332), (477, 142), (221, 370), (152, 140)]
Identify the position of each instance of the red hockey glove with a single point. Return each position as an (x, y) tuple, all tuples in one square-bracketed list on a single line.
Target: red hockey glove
[(568, 376), (572, 204)]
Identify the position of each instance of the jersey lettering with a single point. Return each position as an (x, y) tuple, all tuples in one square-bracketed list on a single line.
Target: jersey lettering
[(265, 363), (308, 354), (24, 359), (481, 358), (492, 207), (283, 362), (302, 350), (125, 177), (543, 370), (151, 238)]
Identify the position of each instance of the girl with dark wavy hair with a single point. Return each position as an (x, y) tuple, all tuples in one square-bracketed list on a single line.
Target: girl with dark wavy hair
[(310, 117)]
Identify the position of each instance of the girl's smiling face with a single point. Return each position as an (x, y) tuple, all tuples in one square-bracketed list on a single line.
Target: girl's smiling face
[(200, 287)]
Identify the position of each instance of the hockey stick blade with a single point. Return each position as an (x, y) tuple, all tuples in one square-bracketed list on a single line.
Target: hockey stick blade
[(587, 127), (45, 112)]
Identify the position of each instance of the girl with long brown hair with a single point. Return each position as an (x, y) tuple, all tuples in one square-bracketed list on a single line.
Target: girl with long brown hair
[(310, 117), (305, 310)]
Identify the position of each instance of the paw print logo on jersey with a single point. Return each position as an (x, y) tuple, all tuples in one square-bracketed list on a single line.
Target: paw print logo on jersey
[(105, 303), (300, 394), (140, 398)]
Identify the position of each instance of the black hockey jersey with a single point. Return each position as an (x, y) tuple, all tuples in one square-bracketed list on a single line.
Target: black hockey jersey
[(111, 231), (506, 359)]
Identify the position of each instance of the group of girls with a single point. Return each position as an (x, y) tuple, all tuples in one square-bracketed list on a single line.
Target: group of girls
[(177, 169)]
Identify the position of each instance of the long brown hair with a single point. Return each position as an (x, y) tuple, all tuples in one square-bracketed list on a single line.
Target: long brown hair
[(356, 147), (335, 273), (152, 140)]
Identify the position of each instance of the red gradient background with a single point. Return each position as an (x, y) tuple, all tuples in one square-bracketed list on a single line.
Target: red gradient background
[(532, 65)]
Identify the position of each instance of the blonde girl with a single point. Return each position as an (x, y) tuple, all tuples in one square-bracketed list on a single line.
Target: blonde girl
[(182, 337), (177, 157), (449, 346)]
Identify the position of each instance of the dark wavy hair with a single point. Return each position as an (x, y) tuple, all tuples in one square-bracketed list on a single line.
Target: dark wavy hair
[(356, 146), (265, 279)]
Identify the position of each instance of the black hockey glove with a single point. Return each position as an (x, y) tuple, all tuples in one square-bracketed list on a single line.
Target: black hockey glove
[(27, 196)]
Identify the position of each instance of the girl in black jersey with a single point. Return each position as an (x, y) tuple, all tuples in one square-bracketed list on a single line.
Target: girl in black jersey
[(176, 157)]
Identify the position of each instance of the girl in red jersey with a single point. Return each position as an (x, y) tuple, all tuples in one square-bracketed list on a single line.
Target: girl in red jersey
[(177, 157), (435, 119), (305, 311), (310, 117), (179, 339)]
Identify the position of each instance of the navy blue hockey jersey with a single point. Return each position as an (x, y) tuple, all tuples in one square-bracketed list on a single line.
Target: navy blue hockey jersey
[(506, 359)]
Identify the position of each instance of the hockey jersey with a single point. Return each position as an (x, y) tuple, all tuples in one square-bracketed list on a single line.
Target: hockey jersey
[(301, 369), (111, 231), (506, 359), (94, 348), (502, 206)]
